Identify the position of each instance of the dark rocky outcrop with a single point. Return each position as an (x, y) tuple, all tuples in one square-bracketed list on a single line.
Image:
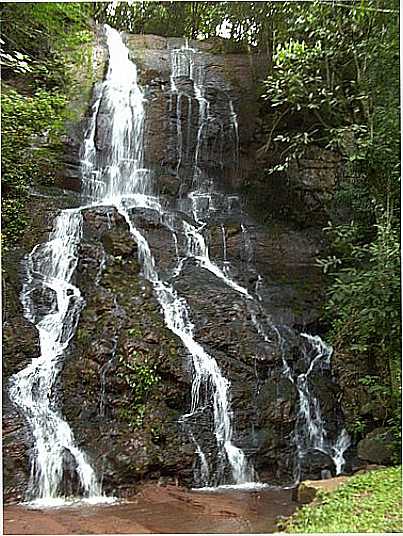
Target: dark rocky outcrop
[(233, 75), (283, 252), (124, 383), (377, 447), (315, 463)]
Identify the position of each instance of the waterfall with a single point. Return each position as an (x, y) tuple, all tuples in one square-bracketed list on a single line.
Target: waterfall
[(234, 123), (49, 272), (185, 66), (310, 428), (49, 269), (113, 174), (128, 186), (311, 431)]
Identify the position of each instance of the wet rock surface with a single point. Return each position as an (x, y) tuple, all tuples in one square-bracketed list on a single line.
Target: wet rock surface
[(233, 75), (124, 384), (376, 447), (126, 380), (315, 463)]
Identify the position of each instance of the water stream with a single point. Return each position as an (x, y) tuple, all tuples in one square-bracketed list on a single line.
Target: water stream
[(52, 303), (124, 99), (310, 429)]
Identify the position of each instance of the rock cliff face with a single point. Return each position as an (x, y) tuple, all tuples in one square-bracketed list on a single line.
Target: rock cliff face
[(284, 253), (126, 379), (124, 387)]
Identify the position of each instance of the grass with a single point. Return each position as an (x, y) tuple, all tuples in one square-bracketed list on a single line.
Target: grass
[(370, 502)]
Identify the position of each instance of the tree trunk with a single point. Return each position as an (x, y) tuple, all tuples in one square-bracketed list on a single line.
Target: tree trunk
[(194, 20)]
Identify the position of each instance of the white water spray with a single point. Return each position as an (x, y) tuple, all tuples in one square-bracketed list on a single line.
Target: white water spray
[(311, 430)]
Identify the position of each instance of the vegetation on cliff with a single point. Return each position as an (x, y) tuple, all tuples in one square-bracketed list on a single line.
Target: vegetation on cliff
[(41, 44)]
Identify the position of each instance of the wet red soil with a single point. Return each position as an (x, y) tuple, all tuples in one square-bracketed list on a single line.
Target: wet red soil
[(156, 510)]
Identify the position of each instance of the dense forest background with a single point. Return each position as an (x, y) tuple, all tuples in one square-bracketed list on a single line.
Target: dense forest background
[(332, 80)]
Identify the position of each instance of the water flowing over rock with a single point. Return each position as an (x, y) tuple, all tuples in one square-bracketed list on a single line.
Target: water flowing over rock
[(172, 326), (50, 267)]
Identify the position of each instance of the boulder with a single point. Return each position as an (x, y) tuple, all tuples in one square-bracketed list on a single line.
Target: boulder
[(377, 447), (314, 462), (308, 489)]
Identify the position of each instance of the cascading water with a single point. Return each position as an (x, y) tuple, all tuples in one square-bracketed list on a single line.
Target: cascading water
[(49, 271), (114, 175), (310, 429), (128, 186), (184, 66)]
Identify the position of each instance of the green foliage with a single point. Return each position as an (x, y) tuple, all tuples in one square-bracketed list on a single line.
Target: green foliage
[(141, 376), (24, 121), (13, 219), (364, 297), (364, 308), (41, 44), (326, 80), (26, 116), (36, 38), (247, 24), (161, 18), (357, 427), (375, 388), (133, 415), (371, 502)]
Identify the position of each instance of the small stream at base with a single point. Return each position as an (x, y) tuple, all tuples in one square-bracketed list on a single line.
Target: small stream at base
[(116, 177)]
